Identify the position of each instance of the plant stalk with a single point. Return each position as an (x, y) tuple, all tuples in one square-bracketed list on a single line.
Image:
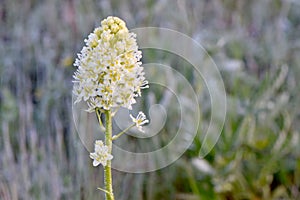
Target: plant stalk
[(107, 168)]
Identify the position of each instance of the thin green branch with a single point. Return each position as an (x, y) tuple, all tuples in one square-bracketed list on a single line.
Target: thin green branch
[(99, 113), (103, 190), (122, 132)]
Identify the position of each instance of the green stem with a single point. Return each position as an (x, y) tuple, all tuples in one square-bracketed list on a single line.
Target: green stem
[(107, 168), (121, 133), (98, 113)]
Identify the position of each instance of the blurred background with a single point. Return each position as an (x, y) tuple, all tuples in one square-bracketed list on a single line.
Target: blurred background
[(256, 45)]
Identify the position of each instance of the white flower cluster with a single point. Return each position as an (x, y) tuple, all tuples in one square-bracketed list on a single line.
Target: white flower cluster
[(101, 155), (109, 73), (140, 120)]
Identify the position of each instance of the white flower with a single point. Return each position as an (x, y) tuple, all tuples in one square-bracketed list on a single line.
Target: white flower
[(109, 73), (140, 120), (101, 155)]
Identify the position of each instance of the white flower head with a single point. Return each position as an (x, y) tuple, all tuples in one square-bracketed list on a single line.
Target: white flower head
[(101, 155), (109, 73), (140, 120)]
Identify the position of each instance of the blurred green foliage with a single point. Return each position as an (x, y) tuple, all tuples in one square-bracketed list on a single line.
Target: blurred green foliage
[(256, 45)]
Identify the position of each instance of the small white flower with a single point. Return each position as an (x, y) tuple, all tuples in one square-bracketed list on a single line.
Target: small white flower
[(140, 120), (101, 155)]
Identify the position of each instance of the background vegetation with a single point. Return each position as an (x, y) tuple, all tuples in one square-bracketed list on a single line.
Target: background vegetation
[(256, 45)]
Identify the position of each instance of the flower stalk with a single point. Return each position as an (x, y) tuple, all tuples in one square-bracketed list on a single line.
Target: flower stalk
[(107, 168)]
